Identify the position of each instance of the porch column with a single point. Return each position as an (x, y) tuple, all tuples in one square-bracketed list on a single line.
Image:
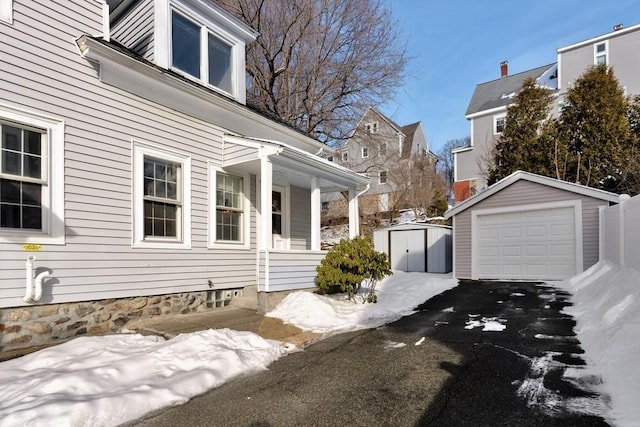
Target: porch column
[(266, 181), (315, 214), (354, 217)]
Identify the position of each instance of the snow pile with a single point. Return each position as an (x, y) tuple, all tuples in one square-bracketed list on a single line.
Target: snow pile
[(492, 324), (106, 381), (607, 309), (398, 295)]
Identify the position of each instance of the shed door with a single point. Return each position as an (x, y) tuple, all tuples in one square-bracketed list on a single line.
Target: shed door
[(407, 250), (532, 245)]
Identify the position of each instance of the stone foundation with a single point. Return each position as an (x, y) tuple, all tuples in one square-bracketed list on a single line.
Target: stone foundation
[(31, 326)]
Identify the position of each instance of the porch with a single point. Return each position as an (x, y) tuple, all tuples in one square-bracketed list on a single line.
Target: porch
[(288, 187)]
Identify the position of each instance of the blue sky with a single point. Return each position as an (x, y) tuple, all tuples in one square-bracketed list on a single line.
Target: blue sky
[(456, 44)]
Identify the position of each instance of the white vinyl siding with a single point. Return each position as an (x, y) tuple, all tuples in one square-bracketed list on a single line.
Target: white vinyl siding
[(43, 73), (135, 30)]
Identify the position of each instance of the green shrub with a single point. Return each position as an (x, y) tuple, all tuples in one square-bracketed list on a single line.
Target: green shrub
[(351, 264)]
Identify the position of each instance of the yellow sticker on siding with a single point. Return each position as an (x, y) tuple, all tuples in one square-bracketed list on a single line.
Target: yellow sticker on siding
[(32, 247)]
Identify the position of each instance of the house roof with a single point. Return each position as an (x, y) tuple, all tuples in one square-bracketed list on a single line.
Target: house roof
[(409, 131), (498, 93), (89, 45), (532, 177)]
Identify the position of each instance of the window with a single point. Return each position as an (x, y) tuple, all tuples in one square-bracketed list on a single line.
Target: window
[(6, 11), (365, 152), (161, 205), (324, 206), (276, 212), (383, 177), (330, 158), (22, 177), (372, 127), (229, 208), (382, 151), (345, 156), (31, 177), (600, 51), (498, 124), (190, 55)]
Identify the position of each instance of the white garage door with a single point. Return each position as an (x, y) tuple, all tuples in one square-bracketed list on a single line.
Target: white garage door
[(532, 244)]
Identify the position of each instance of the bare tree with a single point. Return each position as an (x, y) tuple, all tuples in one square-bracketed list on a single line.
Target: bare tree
[(445, 160), (318, 64), (419, 186)]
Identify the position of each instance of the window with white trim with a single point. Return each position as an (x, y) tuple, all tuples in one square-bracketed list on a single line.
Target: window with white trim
[(372, 127), (365, 152), (345, 156), (600, 53), (383, 177), (6, 11), (498, 124), (31, 195), (162, 202), (229, 206), (201, 53)]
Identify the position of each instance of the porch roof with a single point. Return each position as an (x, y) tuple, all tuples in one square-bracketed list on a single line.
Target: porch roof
[(331, 176)]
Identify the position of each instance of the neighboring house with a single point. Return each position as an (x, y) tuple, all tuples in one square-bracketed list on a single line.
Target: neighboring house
[(528, 227), (134, 180), (488, 106), (385, 152)]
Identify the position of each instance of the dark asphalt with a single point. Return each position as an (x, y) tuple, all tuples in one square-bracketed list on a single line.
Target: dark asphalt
[(455, 377)]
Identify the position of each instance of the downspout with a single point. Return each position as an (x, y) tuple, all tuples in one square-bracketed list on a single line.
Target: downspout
[(39, 279), (29, 291)]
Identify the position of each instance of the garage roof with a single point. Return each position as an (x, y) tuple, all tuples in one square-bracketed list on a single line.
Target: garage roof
[(527, 176)]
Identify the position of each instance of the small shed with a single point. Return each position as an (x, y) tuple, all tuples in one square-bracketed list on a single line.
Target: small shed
[(527, 227), (416, 247)]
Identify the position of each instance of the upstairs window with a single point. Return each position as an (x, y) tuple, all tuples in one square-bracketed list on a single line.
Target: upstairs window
[(382, 151), (372, 127), (200, 53), (345, 156), (365, 152), (498, 125), (383, 177), (600, 52)]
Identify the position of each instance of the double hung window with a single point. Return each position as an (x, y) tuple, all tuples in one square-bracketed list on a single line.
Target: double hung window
[(229, 208), (23, 177), (162, 201)]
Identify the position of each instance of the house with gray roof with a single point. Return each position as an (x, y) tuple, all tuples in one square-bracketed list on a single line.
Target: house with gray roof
[(488, 105), (378, 147)]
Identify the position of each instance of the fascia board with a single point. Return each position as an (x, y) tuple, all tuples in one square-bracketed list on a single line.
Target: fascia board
[(122, 70)]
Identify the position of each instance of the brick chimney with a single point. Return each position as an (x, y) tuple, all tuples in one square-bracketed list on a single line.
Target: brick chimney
[(504, 69)]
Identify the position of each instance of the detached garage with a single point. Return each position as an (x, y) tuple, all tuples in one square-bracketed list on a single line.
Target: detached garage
[(527, 227), (416, 247)]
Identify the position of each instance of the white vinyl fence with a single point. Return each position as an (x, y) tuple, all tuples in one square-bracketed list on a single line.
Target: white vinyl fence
[(620, 232)]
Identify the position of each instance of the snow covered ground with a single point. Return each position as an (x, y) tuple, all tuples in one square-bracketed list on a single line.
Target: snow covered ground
[(105, 381)]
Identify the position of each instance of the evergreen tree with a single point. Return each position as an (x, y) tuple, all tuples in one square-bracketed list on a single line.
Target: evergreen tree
[(594, 127), (520, 146)]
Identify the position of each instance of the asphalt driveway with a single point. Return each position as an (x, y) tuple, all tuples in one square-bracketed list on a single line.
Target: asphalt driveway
[(483, 353)]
